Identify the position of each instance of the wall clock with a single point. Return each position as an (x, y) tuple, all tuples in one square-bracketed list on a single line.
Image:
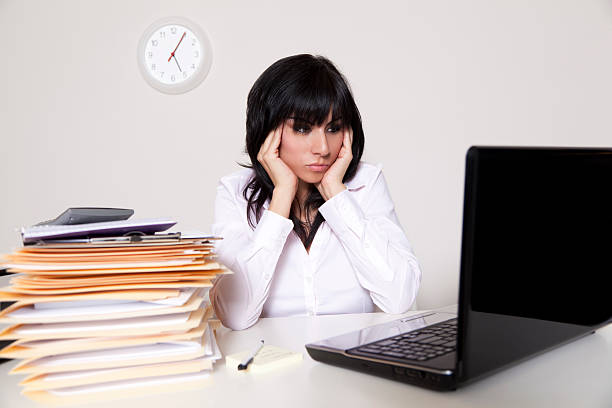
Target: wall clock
[(174, 55)]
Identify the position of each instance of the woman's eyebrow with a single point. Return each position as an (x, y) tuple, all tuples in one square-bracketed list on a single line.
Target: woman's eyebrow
[(335, 120)]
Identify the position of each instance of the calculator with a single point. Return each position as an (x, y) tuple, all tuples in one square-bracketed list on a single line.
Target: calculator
[(86, 215)]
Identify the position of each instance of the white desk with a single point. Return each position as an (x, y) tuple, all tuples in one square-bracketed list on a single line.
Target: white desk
[(576, 375)]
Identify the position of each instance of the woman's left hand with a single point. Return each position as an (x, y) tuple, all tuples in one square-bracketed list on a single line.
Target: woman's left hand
[(331, 183)]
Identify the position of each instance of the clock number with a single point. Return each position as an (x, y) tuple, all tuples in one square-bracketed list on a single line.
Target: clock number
[(150, 54), (173, 78), (154, 43), (193, 41), (162, 34), (161, 74), (184, 75), (173, 30), (192, 66), (196, 54), (152, 67)]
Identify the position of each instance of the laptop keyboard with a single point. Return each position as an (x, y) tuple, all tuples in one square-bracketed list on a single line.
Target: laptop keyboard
[(420, 345)]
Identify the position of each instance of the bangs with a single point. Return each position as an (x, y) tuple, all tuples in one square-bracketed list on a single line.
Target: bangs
[(312, 96)]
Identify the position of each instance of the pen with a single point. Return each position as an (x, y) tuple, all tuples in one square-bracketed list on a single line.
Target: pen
[(136, 238), (130, 239), (249, 360)]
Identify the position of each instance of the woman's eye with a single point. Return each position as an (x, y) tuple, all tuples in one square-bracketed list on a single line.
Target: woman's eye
[(300, 128), (334, 129)]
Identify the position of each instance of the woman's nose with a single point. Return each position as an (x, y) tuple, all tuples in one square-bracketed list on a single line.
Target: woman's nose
[(319, 144)]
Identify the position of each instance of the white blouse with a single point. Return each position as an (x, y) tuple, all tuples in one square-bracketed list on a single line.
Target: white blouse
[(360, 256)]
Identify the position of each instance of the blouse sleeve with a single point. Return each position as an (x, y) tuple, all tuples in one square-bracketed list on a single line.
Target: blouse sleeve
[(251, 255), (376, 246)]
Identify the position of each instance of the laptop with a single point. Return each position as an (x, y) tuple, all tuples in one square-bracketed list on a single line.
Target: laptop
[(535, 267)]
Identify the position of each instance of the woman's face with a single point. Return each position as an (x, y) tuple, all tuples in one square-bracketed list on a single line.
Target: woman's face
[(309, 149)]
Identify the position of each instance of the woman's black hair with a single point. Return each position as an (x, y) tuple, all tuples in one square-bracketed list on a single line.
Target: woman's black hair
[(307, 87)]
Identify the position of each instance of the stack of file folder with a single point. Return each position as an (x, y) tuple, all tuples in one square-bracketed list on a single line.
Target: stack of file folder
[(110, 318)]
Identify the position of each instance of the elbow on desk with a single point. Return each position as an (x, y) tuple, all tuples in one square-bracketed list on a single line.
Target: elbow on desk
[(406, 293), (230, 319), (399, 295), (404, 304), (229, 301)]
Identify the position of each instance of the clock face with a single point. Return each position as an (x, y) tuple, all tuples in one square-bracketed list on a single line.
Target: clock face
[(173, 54)]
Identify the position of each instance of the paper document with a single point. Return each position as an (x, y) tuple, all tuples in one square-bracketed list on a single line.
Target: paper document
[(147, 226), (99, 315), (28, 349), (117, 327), (24, 313), (184, 294)]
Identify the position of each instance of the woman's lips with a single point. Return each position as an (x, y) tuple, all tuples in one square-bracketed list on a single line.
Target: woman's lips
[(318, 167)]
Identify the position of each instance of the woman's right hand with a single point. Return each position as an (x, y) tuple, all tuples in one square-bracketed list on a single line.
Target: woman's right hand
[(285, 181)]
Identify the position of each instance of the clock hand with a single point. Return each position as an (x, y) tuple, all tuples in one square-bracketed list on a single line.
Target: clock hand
[(177, 45), (177, 64)]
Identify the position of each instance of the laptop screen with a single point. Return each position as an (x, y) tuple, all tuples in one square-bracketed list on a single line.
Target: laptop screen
[(537, 252)]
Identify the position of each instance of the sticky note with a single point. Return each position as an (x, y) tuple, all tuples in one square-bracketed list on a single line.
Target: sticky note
[(269, 358)]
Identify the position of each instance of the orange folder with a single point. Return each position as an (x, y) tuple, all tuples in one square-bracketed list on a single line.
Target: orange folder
[(27, 349), (14, 314), (208, 265), (133, 294), (133, 326)]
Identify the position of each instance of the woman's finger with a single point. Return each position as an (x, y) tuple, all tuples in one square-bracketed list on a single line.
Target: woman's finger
[(348, 137), (348, 143), (276, 138), (272, 151), (345, 140), (265, 146)]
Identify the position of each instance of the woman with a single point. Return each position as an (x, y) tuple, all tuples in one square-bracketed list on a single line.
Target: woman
[(307, 228)]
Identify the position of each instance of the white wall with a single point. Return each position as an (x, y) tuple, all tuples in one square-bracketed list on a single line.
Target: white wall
[(80, 127)]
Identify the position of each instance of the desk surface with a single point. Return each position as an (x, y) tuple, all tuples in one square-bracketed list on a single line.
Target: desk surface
[(578, 374)]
